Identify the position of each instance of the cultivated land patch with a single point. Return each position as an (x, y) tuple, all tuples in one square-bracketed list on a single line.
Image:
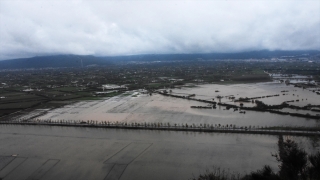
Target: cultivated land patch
[(165, 109)]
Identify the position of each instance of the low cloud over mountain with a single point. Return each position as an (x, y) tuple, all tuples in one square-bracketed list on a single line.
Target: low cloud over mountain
[(104, 28)]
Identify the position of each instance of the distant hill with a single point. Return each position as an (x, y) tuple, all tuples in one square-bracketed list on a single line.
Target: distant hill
[(240, 55), (75, 60), (53, 61)]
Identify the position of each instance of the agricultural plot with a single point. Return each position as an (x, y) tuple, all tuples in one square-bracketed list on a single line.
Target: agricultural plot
[(163, 109)]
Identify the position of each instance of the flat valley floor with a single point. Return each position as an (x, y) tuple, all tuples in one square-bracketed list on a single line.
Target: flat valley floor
[(68, 153), (50, 153)]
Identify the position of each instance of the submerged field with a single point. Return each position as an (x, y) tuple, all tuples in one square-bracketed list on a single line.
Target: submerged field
[(45, 152), (50, 152), (137, 107)]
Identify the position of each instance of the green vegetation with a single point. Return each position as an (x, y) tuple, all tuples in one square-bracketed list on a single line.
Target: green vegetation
[(294, 164), (155, 85), (67, 89), (19, 105)]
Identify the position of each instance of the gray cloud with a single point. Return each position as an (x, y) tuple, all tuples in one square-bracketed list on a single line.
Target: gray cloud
[(29, 28)]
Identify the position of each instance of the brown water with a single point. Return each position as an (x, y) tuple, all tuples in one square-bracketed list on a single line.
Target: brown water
[(254, 90), (159, 108), (90, 153)]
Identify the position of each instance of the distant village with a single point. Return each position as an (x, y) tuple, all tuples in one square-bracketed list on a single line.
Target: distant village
[(54, 87)]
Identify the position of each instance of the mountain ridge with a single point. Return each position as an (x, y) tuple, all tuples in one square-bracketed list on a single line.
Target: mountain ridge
[(69, 60)]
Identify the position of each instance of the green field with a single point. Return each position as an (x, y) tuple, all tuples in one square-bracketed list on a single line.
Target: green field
[(19, 105)]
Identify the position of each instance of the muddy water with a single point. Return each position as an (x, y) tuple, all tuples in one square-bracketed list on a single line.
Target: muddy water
[(254, 90), (90, 153), (159, 108), (315, 113)]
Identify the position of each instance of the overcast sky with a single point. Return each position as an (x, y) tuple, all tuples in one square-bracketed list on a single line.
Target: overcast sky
[(116, 27)]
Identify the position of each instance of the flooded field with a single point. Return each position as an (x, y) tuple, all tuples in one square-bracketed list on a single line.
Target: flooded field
[(286, 93), (89, 153), (50, 152), (163, 109)]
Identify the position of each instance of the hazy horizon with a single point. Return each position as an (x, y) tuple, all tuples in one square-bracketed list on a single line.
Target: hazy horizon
[(116, 28), (160, 54)]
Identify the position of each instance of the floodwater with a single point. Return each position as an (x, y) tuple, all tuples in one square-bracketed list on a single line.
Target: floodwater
[(163, 109), (47, 152), (300, 111), (208, 92)]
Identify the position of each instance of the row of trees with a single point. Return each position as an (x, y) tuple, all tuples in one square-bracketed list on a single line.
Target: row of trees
[(162, 124), (142, 124)]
